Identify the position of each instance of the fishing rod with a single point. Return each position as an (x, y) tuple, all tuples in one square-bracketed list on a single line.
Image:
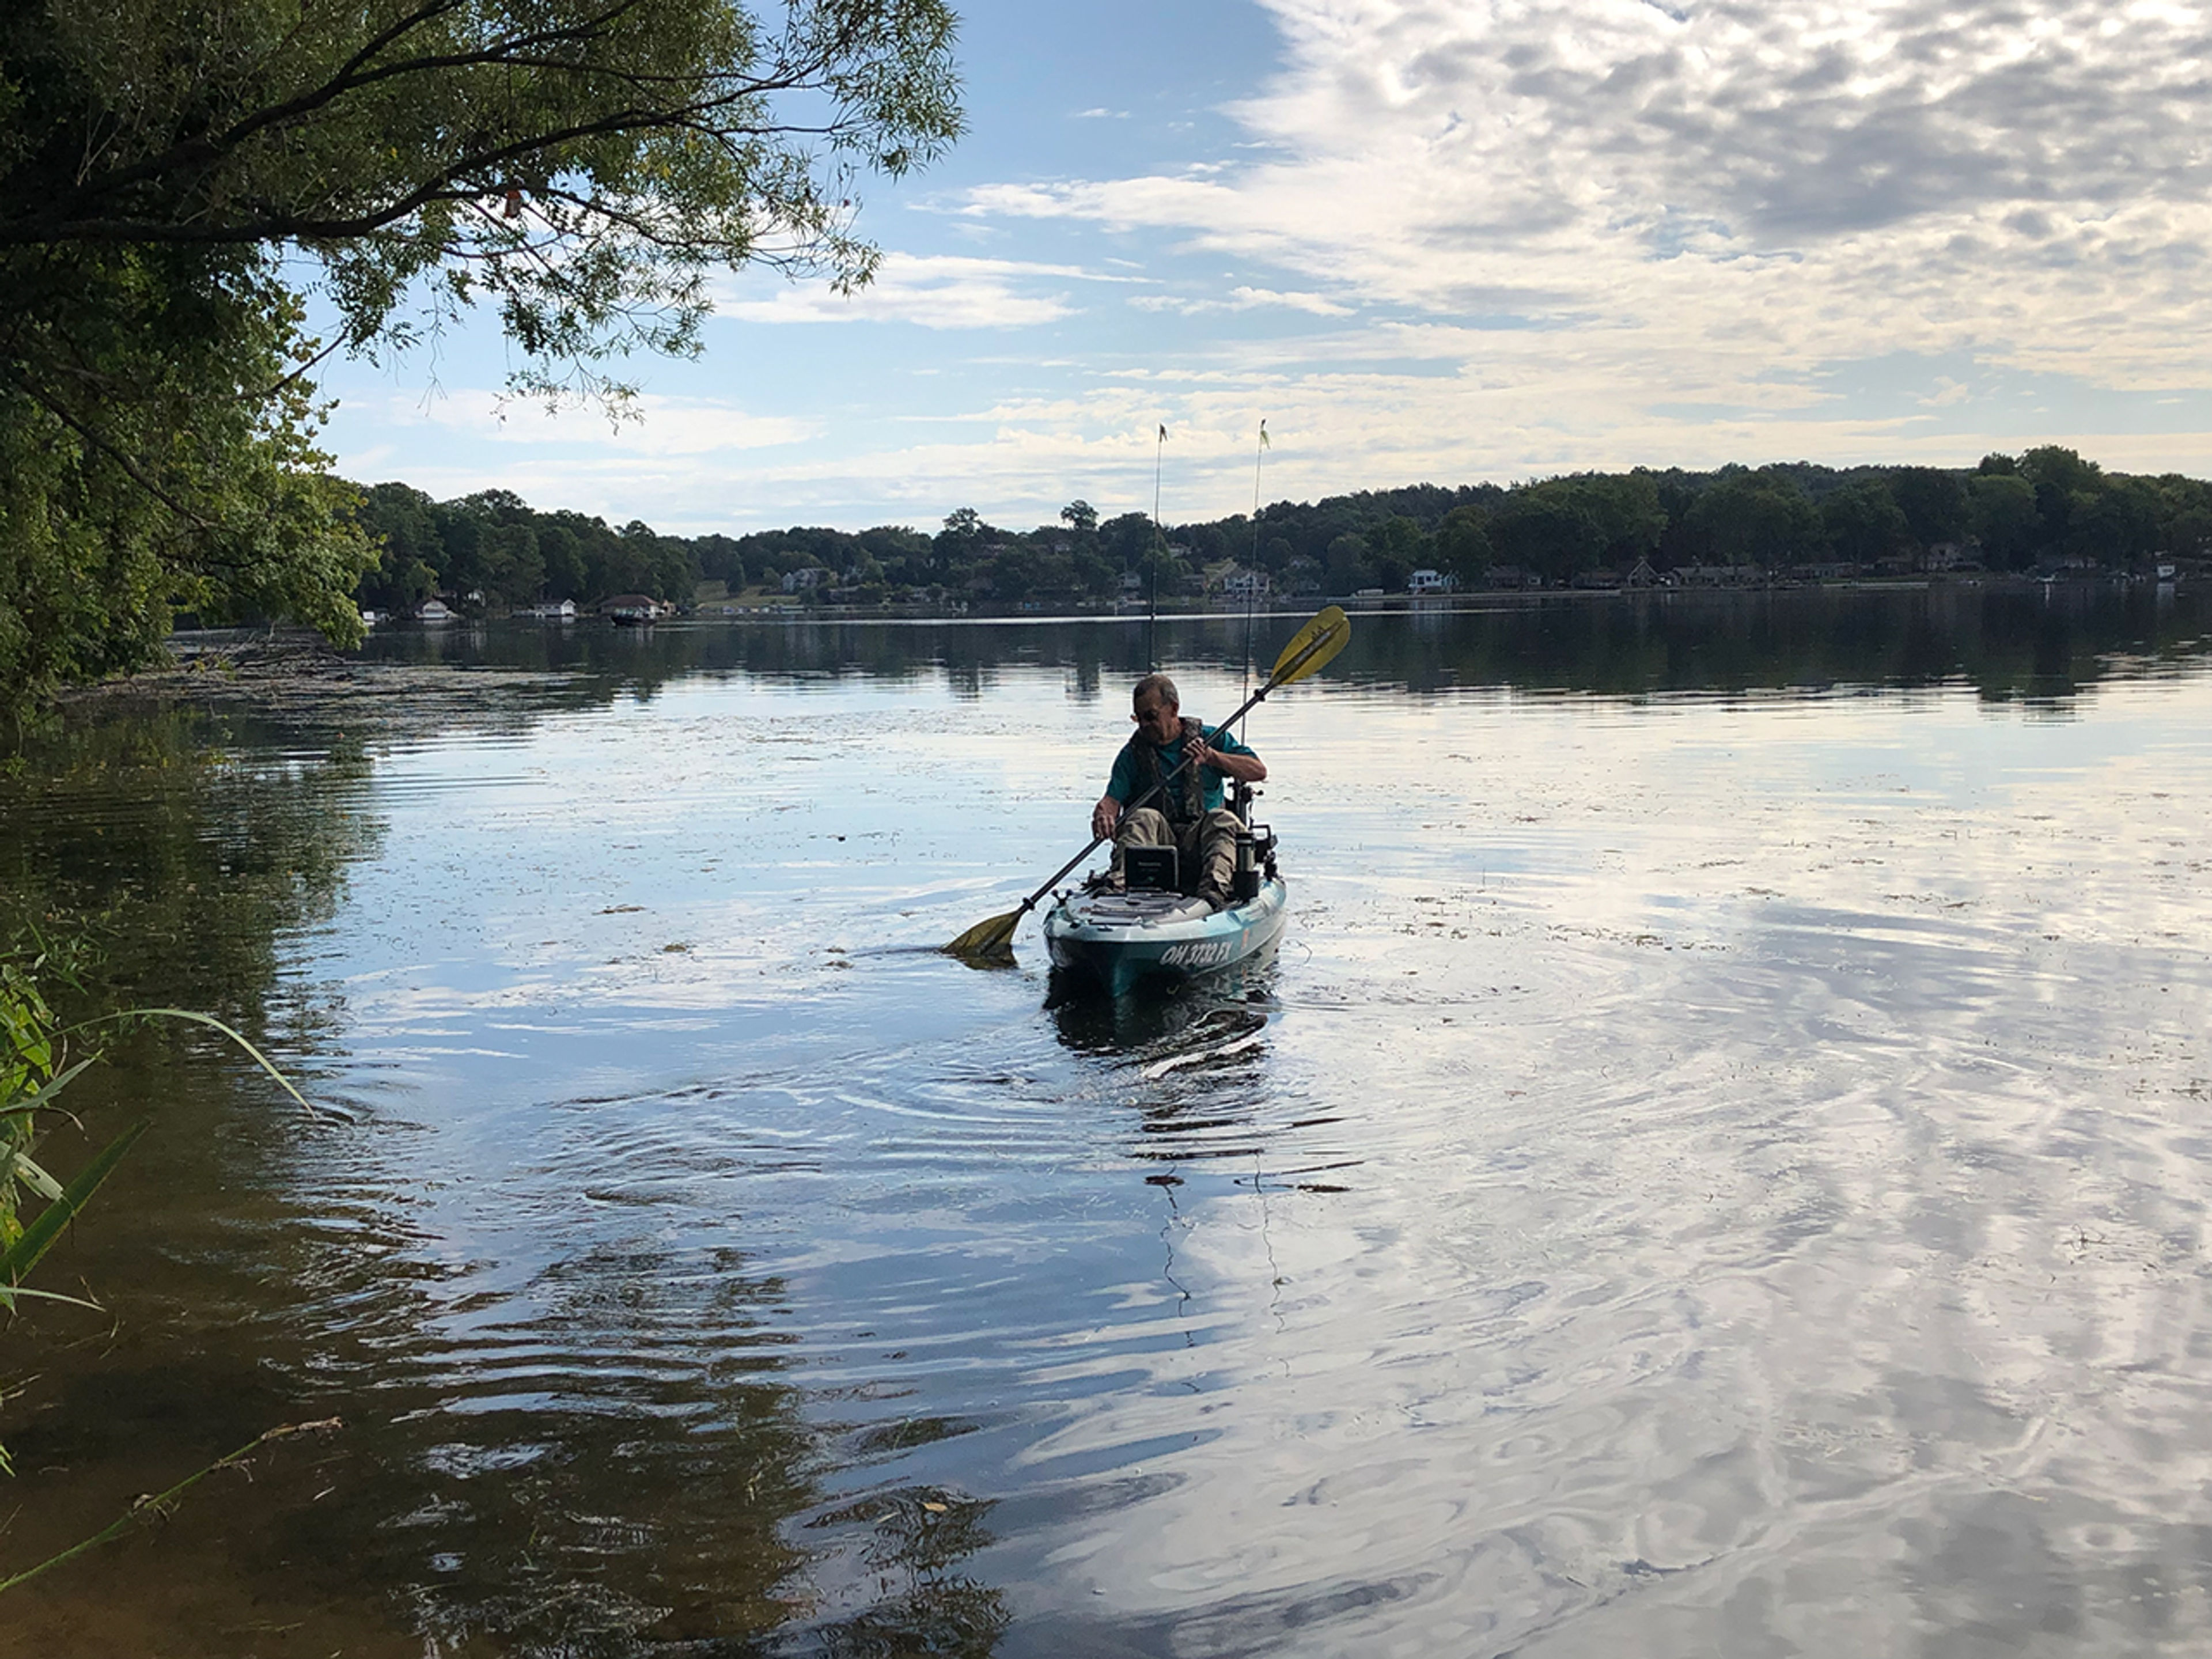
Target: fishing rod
[(1159, 548), (1252, 573)]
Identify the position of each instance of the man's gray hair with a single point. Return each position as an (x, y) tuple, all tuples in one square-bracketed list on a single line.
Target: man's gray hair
[(1160, 686)]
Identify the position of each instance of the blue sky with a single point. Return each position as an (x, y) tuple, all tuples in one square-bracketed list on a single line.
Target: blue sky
[(1431, 240)]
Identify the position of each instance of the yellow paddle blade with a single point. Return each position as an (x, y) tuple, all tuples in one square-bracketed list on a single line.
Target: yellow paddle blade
[(988, 939), (1312, 647)]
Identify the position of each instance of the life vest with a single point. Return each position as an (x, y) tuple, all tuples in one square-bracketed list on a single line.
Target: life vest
[(1183, 800)]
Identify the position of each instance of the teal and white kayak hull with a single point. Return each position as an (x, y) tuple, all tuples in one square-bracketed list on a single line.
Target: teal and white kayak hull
[(1119, 940)]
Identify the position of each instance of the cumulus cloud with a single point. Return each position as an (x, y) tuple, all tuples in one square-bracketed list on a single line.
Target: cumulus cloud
[(1816, 179), (945, 291), (652, 425), (1510, 406), (1473, 239), (1243, 297)]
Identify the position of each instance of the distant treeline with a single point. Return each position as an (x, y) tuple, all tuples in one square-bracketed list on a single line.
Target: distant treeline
[(2044, 510)]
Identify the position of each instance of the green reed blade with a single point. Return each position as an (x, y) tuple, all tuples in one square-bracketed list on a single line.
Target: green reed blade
[(159, 1506), (7, 1297), (38, 1237), (45, 1091), (195, 1018), (18, 1167)]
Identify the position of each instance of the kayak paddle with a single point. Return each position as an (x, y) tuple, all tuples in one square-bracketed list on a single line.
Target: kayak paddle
[(1309, 649)]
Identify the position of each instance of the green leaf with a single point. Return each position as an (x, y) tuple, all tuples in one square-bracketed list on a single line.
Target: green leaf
[(20, 1168), (46, 1090), (39, 1236), (159, 1506)]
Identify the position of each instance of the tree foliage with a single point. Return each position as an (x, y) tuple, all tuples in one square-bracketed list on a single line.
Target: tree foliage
[(175, 181), (1864, 522), (2000, 514), (492, 551), (157, 453), (2036, 511), (1756, 518)]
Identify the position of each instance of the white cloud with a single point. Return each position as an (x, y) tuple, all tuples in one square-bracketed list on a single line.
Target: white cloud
[(1243, 297), (945, 291), (1809, 180), (1493, 240), (1522, 411), (655, 426)]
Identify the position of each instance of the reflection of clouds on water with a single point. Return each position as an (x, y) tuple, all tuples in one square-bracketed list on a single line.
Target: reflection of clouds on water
[(1824, 1239), (1717, 1175)]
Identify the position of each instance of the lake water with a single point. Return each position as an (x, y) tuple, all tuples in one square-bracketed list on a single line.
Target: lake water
[(1720, 1164)]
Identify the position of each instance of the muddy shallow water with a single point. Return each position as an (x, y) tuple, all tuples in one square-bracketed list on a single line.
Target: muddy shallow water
[(1719, 1165)]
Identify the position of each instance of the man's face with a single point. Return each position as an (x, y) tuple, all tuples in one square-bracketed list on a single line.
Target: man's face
[(1160, 722)]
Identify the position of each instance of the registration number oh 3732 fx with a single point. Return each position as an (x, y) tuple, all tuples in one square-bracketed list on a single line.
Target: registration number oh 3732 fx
[(1199, 953)]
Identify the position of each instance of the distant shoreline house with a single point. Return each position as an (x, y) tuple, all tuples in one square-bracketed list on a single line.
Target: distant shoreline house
[(436, 611), (1710, 575), (1430, 581), (634, 608)]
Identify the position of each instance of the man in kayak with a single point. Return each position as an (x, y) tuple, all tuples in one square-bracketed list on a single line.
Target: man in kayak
[(1186, 815)]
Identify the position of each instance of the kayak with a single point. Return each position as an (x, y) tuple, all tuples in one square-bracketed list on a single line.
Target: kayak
[(1119, 940)]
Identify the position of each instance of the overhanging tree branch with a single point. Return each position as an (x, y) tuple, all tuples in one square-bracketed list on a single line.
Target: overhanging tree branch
[(161, 170), (65, 218), (115, 452)]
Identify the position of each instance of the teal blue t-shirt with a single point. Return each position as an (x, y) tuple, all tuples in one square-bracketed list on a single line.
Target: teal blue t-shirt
[(1123, 783)]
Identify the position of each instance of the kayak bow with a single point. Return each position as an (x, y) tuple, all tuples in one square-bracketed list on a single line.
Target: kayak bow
[(1121, 939)]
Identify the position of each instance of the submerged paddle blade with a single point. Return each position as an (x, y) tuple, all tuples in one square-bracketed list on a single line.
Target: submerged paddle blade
[(1312, 647), (995, 938)]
